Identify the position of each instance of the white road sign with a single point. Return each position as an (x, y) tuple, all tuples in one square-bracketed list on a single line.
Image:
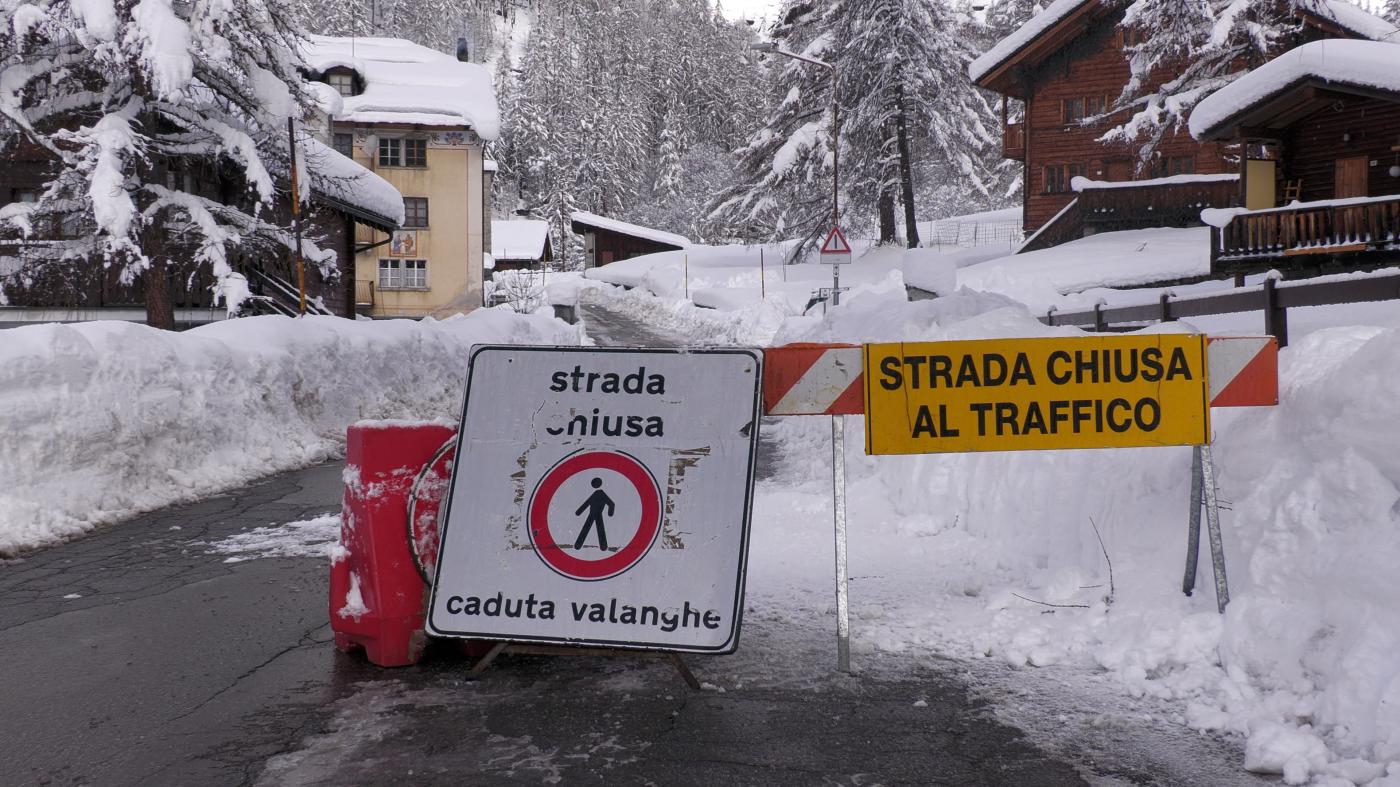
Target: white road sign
[(601, 497)]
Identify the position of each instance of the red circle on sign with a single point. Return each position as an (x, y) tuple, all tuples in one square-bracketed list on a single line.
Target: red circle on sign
[(547, 546)]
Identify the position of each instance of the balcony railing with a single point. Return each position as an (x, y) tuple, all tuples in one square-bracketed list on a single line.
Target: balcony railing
[(1155, 203), (1332, 227), (1013, 141)]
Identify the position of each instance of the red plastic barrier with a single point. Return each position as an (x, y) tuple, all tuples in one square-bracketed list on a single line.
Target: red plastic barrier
[(382, 461)]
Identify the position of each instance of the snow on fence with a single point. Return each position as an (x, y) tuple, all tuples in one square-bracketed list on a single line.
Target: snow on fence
[(1272, 298)]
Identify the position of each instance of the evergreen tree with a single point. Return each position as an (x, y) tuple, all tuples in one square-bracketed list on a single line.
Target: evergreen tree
[(143, 108), (784, 186), (906, 107), (904, 82), (1392, 12), (1210, 43)]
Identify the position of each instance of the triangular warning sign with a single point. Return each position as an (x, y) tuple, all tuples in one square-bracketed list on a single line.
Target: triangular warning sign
[(836, 243)]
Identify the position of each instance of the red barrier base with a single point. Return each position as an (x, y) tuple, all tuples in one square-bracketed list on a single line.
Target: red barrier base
[(378, 601)]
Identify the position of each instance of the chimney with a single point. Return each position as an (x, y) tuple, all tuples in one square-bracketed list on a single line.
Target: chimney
[(462, 53)]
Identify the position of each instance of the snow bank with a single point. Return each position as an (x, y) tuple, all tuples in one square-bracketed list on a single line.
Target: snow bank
[(1039, 279), (960, 553), (105, 420)]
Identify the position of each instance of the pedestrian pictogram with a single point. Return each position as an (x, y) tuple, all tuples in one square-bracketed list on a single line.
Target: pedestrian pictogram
[(600, 497), (633, 519), (594, 505)]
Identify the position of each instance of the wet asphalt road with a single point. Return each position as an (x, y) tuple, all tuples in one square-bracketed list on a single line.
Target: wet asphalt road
[(167, 665)]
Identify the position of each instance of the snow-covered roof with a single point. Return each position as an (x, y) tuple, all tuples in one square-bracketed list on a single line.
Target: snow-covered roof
[(1339, 12), (340, 180), (1371, 65), (622, 227), (408, 83), (519, 239)]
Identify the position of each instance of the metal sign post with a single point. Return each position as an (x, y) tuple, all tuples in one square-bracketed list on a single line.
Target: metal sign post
[(1203, 493), (838, 512)]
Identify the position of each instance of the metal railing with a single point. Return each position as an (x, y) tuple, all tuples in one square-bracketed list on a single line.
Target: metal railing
[(1271, 298)]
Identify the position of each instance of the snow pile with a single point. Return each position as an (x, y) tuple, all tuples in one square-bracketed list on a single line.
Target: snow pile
[(104, 420), (743, 276), (960, 554), (408, 83), (752, 327), (1080, 183), (1370, 65), (1039, 279)]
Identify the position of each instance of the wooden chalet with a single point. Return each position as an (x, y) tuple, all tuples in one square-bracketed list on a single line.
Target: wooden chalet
[(344, 196), (1320, 126), (1064, 68), (609, 240)]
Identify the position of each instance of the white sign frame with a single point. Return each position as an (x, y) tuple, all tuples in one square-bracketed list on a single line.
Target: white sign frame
[(500, 542)]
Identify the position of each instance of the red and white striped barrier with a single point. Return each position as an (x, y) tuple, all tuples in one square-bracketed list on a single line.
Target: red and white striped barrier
[(813, 379), (1243, 371), (827, 379)]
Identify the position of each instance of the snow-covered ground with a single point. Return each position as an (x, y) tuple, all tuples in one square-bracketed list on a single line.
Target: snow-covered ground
[(105, 420), (955, 555), (958, 555)]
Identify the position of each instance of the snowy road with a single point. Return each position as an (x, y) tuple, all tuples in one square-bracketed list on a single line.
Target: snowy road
[(140, 655)]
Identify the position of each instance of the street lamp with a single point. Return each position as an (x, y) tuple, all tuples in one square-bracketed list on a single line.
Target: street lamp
[(772, 46)]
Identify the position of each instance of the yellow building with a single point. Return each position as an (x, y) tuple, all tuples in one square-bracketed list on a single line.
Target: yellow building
[(420, 119)]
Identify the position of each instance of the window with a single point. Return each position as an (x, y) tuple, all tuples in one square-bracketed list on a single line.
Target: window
[(1175, 165), (344, 84), (1071, 110), (1077, 110), (1059, 177), (344, 144), (415, 212), (390, 152), (402, 152), (403, 274), (24, 195), (415, 152)]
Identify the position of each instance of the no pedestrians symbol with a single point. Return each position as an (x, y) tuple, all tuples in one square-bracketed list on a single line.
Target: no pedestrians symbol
[(594, 515)]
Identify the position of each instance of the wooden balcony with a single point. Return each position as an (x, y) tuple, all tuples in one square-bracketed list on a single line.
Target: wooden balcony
[(1154, 203), (1013, 141), (1336, 227)]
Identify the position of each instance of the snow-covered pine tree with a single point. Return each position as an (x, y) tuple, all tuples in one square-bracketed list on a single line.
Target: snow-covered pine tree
[(1392, 12), (784, 171), (1207, 43), (903, 82), (144, 108)]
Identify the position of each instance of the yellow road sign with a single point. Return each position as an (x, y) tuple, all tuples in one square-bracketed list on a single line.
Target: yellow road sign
[(1022, 394)]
